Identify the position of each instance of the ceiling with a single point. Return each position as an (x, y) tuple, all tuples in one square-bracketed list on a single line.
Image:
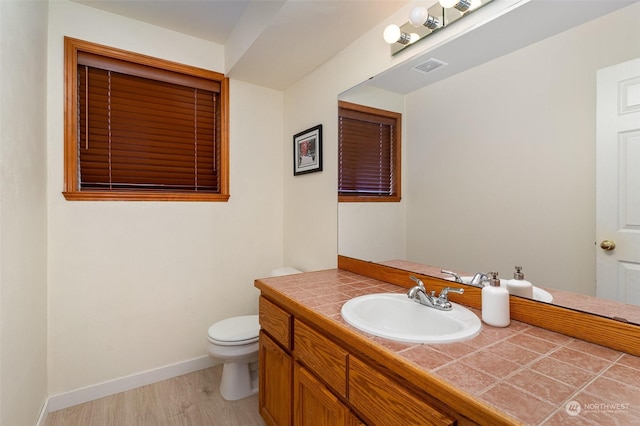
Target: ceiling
[(272, 43)]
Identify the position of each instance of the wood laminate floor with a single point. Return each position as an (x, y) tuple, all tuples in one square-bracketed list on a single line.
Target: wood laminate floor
[(190, 400)]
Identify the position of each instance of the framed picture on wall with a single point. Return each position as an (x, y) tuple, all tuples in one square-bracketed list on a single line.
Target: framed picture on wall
[(307, 151)]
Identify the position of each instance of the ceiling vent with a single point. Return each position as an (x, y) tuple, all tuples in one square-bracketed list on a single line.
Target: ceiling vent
[(429, 65)]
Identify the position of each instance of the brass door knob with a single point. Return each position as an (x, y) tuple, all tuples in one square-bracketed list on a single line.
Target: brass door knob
[(607, 245)]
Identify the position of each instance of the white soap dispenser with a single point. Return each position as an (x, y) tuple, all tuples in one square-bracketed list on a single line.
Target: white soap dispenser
[(518, 286), (495, 303)]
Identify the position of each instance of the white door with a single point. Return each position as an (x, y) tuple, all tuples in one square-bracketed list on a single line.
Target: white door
[(618, 183)]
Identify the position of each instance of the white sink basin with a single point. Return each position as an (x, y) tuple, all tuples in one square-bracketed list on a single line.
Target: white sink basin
[(538, 293), (396, 317)]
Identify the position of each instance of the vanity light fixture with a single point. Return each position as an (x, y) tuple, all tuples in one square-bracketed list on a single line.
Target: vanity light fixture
[(393, 34), (428, 20), (420, 16)]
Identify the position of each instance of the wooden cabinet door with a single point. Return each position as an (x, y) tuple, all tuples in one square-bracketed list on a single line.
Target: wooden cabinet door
[(322, 357), (274, 396), (382, 401), (353, 420), (314, 404)]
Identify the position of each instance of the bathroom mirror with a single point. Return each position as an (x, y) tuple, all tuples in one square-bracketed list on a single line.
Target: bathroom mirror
[(499, 155)]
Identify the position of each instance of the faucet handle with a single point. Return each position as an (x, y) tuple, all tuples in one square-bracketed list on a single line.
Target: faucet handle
[(442, 302), (445, 292), (417, 281), (453, 274)]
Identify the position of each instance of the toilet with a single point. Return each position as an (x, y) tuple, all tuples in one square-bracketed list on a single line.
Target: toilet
[(234, 343)]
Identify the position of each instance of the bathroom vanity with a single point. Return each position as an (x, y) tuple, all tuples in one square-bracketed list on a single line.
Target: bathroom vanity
[(317, 369)]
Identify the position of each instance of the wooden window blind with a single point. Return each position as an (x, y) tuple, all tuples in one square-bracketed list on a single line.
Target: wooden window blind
[(138, 133), (142, 129), (368, 154)]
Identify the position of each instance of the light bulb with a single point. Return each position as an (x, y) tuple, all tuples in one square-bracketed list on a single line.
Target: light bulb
[(418, 16), (448, 3), (475, 4), (391, 33), (413, 37)]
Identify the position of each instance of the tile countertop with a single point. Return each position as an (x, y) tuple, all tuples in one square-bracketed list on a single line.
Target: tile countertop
[(530, 373)]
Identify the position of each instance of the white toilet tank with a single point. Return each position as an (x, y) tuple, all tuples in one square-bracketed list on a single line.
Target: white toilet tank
[(286, 270)]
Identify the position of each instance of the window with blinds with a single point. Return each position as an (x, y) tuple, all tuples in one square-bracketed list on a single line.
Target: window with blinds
[(142, 128), (368, 153)]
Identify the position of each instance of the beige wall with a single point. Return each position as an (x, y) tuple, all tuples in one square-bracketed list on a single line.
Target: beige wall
[(506, 175), (310, 201), (23, 220), (134, 285)]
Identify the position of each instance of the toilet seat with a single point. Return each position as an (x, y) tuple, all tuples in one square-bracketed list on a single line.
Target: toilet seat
[(236, 331)]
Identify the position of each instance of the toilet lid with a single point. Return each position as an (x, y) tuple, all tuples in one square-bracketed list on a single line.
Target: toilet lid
[(235, 331)]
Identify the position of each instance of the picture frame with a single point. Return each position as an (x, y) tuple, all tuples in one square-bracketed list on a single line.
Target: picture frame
[(307, 151)]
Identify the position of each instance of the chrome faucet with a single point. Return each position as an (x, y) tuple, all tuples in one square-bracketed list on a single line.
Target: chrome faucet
[(480, 279), (419, 294), (455, 276)]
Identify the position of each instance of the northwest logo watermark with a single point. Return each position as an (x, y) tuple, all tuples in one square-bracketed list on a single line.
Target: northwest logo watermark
[(574, 408)]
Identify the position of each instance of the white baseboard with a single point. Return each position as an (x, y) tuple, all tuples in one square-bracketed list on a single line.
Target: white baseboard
[(89, 393), (42, 418)]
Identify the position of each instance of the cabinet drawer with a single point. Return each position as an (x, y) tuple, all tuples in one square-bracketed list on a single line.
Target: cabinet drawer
[(321, 356), (382, 401), (276, 322)]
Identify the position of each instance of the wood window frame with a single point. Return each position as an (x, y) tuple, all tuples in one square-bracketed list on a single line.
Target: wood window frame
[(72, 190), (396, 195)]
